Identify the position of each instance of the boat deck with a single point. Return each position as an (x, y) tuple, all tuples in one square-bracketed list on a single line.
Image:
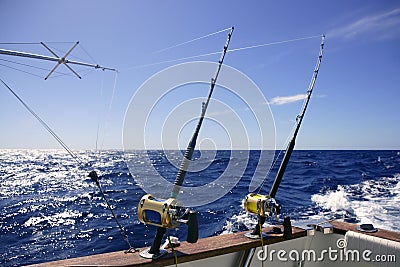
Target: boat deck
[(204, 248)]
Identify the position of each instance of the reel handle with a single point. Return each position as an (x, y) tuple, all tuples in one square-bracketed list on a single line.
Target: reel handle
[(193, 228)]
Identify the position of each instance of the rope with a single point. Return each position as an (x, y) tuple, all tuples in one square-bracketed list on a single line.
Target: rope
[(195, 39), (45, 125)]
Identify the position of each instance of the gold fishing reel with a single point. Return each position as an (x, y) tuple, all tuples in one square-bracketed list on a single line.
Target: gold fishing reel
[(160, 212), (168, 213), (264, 206), (261, 205)]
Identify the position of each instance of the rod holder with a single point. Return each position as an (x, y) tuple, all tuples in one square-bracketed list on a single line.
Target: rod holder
[(264, 206), (165, 214)]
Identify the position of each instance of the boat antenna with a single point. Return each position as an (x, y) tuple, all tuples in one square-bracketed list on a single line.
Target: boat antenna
[(167, 214), (60, 60), (265, 205)]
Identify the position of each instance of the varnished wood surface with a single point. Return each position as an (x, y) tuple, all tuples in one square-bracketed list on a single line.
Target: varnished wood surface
[(343, 227), (204, 248)]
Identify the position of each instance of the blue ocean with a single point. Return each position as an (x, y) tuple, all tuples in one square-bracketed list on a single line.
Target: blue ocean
[(51, 210)]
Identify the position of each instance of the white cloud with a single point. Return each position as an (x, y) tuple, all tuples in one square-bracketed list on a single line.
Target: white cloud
[(281, 100), (384, 25)]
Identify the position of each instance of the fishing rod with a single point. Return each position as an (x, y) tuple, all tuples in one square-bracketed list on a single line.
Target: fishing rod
[(60, 60), (265, 206), (167, 214), (190, 149), (93, 174)]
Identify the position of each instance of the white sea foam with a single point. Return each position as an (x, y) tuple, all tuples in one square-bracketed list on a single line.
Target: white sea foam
[(333, 200), (371, 201), (66, 217), (238, 221)]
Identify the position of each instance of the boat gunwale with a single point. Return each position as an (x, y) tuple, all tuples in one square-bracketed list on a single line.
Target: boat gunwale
[(206, 248)]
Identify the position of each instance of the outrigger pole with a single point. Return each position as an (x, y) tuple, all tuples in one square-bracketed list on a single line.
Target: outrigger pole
[(93, 175), (168, 213), (264, 206), (56, 58)]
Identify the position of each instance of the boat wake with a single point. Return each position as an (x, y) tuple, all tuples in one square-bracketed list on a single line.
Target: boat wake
[(371, 201)]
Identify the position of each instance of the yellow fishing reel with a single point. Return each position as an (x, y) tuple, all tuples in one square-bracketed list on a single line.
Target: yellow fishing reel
[(167, 213), (159, 212), (261, 205), (264, 206)]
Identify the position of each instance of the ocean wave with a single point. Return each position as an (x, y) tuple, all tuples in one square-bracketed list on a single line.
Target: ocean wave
[(50, 209), (371, 201)]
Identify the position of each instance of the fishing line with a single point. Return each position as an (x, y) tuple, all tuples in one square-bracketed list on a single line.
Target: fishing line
[(299, 119), (36, 43), (106, 124), (30, 73), (22, 64), (285, 144), (60, 74), (95, 178), (262, 240), (195, 39), (73, 56), (98, 121), (18, 43), (82, 74), (172, 247), (92, 174), (87, 53), (273, 43), (31, 66), (172, 60), (229, 50), (45, 125)]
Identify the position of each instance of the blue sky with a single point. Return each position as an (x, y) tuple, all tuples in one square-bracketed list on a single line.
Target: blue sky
[(354, 106)]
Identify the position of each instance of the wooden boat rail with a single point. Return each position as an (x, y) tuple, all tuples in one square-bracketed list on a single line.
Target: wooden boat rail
[(204, 248)]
